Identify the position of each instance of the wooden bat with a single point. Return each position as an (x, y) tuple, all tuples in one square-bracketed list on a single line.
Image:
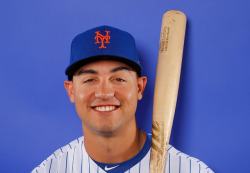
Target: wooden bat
[(166, 85)]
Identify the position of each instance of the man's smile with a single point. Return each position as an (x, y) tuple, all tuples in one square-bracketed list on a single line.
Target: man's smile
[(105, 108)]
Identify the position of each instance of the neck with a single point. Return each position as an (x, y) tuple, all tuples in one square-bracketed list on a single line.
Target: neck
[(117, 148)]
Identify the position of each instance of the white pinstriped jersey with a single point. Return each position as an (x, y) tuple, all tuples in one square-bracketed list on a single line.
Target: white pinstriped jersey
[(73, 158)]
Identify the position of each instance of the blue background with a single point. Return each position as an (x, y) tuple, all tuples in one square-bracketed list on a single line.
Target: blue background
[(212, 116)]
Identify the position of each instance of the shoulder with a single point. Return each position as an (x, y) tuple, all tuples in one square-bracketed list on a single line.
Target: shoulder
[(179, 161), (59, 155)]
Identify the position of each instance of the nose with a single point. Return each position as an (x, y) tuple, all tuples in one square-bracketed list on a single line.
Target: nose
[(104, 90)]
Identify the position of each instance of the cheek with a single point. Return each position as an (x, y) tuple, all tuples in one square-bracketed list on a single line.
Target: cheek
[(82, 95), (129, 94), (82, 98)]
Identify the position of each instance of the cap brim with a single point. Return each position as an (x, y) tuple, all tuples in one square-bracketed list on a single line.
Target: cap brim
[(75, 66)]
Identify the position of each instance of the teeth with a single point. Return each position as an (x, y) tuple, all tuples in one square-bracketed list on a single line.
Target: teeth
[(104, 108), (107, 108)]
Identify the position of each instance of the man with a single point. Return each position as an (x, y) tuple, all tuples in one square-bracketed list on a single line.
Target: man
[(105, 83)]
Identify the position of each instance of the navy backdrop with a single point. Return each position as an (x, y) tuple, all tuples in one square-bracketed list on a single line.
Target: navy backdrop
[(212, 116)]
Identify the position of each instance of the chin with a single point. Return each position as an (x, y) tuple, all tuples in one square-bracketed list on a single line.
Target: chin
[(107, 131)]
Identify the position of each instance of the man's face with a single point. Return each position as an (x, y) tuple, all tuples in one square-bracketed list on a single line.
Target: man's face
[(105, 94)]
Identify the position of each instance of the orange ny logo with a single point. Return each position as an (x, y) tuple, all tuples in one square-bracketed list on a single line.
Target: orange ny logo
[(99, 37)]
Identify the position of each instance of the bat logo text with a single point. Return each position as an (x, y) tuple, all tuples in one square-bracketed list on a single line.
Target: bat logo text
[(158, 137)]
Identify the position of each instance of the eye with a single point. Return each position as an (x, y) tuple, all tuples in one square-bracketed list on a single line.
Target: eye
[(119, 80), (88, 80)]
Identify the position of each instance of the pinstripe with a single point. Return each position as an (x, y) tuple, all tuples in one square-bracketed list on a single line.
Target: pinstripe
[(190, 165), (199, 168), (149, 160), (170, 148), (50, 165), (89, 164), (66, 163), (169, 161), (70, 146), (61, 150), (55, 155), (129, 171), (97, 169), (179, 164), (81, 156), (140, 167), (36, 170), (73, 159)]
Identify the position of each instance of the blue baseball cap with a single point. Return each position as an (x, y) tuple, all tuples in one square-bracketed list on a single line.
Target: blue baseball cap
[(103, 43)]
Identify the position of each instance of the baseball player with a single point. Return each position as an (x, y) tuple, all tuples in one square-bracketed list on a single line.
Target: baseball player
[(105, 83)]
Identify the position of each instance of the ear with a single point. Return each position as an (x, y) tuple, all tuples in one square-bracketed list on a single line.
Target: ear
[(142, 81), (69, 87)]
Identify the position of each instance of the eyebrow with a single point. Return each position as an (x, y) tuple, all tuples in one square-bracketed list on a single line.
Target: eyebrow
[(119, 69), (84, 71), (90, 71)]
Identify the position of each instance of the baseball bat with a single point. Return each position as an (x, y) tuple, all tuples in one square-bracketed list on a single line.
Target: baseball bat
[(166, 85)]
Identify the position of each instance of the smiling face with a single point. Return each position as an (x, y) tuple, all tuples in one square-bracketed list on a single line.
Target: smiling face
[(105, 94)]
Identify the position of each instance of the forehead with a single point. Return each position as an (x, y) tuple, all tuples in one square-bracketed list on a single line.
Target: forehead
[(104, 65)]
